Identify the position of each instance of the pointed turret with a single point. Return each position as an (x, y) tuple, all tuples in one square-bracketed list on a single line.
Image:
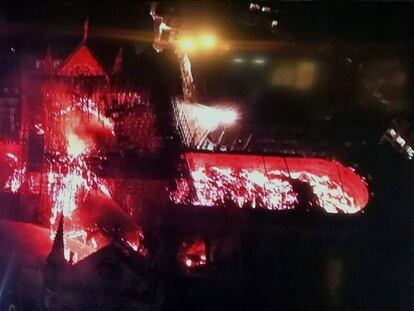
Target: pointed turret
[(82, 62), (57, 254), (85, 30), (116, 68), (56, 262), (48, 61)]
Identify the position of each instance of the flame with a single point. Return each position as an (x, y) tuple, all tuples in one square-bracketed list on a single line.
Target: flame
[(68, 182), (70, 178), (18, 176), (209, 118), (73, 130), (216, 186), (91, 108), (76, 146), (16, 180), (193, 254)]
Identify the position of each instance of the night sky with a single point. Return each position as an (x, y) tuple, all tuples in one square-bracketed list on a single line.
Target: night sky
[(303, 21)]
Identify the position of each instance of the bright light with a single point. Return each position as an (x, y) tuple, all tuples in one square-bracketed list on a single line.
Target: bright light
[(208, 41), (193, 254), (76, 146), (392, 132), (188, 262), (401, 141), (187, 44), (210, 118), (164, 26), (410, 152), (228, 116), (259, 61), (266, 9), (204, 42), (238, 60), (254, 7)]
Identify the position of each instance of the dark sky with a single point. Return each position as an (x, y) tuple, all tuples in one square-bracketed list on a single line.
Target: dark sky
[(123, 14), (351, 27), (297, 20)]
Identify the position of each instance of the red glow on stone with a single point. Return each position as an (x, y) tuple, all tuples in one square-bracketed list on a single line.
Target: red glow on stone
[(81, 63)]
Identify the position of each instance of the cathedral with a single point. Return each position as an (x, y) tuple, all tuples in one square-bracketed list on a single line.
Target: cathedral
[(132, 181)]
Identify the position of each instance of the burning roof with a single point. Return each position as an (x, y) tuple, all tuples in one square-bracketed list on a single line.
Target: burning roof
[(274, 183)]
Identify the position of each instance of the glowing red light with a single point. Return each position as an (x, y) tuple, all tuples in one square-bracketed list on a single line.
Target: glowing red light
[(16, 172), (193, 254), (270, 182), (74, 128)]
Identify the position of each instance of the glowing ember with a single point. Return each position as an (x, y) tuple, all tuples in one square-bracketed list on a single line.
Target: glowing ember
[(17, 178), (276, 189), (39, 129), (193, 254), (15, 181), (136, 243), (188, 262)]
